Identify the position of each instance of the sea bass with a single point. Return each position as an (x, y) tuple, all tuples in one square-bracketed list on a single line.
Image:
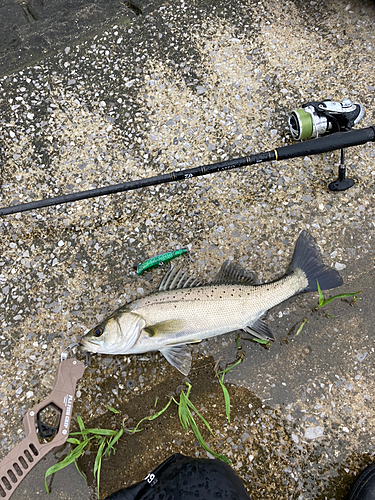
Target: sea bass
[(183, 312)]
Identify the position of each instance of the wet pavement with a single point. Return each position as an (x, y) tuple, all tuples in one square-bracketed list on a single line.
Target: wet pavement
[(175, 87)]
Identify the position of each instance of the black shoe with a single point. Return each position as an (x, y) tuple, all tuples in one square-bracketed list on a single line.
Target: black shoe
[(181, 477), (364, 486)]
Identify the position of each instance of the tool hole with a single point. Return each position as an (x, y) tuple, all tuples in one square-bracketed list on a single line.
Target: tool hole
[(48, 421), (28, 456), (23, 462), (6, 483), (33, 449), (17, 468), (12, 476)]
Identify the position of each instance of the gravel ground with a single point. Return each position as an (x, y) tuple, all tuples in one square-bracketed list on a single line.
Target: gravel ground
[(187, 85)]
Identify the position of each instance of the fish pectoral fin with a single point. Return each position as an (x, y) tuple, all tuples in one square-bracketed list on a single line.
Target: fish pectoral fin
[(178, 356), (169, 326), (261, 330)]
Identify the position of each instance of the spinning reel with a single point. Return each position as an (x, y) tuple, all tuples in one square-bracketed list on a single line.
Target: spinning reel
[(315, 119)]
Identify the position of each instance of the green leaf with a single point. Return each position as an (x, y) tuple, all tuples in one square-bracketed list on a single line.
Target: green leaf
[(111, 443), (301, 326), (189, 389), (198, 435), (226, 398), (340, 296), (98, 463), (73, 441), (182, 411), (114, 440), (261, 341), (70, 458), (229, 368), (75, 463), (239, 346), (321, 296), (97, 432), (152, 417), (99, 454), (323, 302), (113, 410), (190, 404), (80, 423)]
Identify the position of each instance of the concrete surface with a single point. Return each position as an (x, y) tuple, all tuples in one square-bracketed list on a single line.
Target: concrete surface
[(180, 86)]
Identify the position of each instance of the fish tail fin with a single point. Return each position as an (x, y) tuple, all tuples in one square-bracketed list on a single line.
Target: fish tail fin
[(308, 258)]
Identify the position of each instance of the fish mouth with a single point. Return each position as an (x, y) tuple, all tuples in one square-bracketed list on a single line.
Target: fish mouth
[(88, 345)]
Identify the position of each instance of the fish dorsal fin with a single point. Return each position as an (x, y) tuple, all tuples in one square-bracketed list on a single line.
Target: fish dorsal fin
[(178, 356), (233, 274), (176, 278)]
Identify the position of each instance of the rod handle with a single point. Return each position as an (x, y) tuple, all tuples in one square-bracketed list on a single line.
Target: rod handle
[(338, 140)]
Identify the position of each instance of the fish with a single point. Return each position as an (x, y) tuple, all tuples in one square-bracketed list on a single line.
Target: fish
[(183, 311)]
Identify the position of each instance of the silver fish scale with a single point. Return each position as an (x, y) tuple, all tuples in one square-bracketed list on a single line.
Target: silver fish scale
[(211, 310)]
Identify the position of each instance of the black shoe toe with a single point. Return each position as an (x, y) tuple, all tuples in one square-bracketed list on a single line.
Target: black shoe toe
[(364, 486)]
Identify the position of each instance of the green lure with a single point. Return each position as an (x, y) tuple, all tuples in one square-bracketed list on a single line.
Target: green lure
[(159, 259)]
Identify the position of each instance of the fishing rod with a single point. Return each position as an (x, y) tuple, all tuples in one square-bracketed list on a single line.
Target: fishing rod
[(303, 123)]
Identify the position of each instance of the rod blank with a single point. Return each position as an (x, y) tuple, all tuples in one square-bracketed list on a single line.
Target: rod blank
[(332, 142)]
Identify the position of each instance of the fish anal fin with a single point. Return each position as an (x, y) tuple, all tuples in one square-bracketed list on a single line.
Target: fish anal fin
[(261, 330), (169, 326), (232, 273), (178, 356)]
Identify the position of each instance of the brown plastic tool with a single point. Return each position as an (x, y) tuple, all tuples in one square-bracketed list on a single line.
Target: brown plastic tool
[(19, 462)]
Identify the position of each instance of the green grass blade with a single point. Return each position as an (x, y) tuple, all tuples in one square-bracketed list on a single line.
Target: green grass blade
[(98, 462), (189, 389), (340, 296), (80, 423), (261, 341), (301, 326), (183, 411), (97, 432), (81, 474), (226, 398), (200, 440), (73, 441), (111, 443), (239, 346), (190, 404), (227, 370), (114, 440), (321, 296), (71, 457), (152, 417), (99, 454), (113, 410)]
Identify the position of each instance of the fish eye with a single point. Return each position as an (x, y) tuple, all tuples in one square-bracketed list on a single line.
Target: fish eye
[(98, 332)]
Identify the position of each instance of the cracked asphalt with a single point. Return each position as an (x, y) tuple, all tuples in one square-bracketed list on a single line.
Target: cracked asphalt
[(99, 93)]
